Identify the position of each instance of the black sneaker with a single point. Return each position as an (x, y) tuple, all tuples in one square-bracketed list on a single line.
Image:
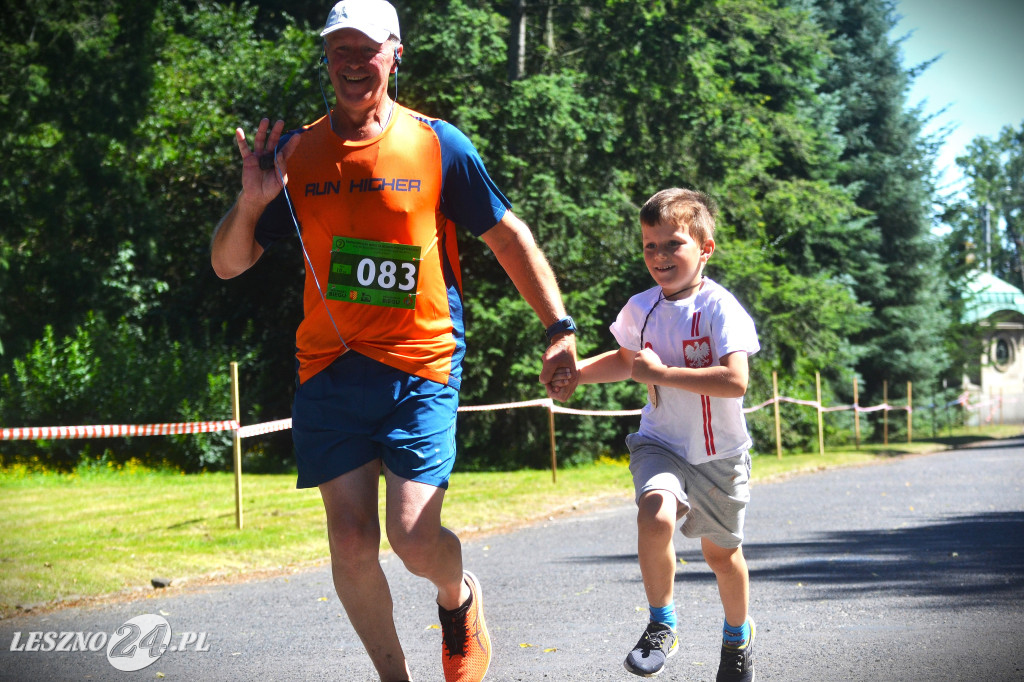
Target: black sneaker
[(737, 665), (655, 646)]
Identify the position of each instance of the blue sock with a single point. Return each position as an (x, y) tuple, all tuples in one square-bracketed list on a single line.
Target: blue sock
[(736, 637), (664, 614)]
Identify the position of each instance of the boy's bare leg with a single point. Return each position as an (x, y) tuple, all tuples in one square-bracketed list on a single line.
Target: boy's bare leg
[(656, 523), (730, 569), (353, 531)]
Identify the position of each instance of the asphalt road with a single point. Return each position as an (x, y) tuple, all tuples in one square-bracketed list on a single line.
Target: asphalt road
[(912, 569)]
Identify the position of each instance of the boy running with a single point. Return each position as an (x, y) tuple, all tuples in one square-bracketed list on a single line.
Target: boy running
[(688, 339)]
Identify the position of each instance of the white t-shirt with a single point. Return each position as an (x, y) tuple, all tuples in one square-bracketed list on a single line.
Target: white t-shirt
[(694, 332)]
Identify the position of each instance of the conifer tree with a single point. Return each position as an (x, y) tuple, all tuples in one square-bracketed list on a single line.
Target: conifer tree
[(888, 163)]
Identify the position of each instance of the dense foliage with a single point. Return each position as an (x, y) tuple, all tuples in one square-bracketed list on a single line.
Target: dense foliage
[(988, 221), (117, 134)]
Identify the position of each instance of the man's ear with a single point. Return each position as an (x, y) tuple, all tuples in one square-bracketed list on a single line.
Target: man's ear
[(399, 49)]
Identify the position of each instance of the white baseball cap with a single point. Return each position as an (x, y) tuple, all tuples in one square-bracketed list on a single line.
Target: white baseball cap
[(374, 18)]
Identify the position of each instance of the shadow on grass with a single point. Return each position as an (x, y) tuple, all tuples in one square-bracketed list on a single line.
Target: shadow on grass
[(202, 519)]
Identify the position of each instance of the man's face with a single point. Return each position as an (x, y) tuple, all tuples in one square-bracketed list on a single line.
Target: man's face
[(358, 68)]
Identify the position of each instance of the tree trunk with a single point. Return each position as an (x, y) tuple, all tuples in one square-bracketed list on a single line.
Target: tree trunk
[(517, 41)]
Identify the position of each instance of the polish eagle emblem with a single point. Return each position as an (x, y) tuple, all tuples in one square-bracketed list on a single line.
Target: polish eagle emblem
[(697, 352)]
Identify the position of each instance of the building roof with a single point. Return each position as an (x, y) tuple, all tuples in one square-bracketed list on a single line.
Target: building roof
[(987, 295)]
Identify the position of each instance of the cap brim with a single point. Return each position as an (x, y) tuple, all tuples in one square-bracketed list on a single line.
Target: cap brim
[(379, 35)]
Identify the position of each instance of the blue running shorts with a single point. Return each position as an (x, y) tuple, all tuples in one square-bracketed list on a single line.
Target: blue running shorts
[(358, 410)]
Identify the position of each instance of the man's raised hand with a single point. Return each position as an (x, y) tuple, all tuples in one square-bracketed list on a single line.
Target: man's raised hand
[(260, 181)]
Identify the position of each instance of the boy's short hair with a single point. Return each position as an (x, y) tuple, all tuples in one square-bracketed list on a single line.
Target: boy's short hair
[(688, 207)]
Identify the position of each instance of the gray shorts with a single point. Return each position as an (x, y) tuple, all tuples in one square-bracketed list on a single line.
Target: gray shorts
[(712, 496)]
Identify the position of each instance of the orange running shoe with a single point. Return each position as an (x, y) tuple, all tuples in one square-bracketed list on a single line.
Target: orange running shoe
[(465, 645)]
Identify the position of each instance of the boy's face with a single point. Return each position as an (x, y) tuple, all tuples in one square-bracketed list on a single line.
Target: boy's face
[(673, 258)]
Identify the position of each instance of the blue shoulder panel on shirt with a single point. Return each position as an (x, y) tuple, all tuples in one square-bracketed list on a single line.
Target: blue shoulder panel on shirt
[(468, 195)]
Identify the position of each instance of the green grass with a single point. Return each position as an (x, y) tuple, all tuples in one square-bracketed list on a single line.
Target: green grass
[(107, 530)]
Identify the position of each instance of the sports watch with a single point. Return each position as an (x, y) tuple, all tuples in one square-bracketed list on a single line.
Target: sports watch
[(564, 325)]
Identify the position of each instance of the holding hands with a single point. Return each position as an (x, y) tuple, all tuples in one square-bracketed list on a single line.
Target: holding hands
[(559, 373), (563, 384), (644, 367)]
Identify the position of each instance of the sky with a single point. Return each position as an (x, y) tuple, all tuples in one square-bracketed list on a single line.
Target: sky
[(980, 75)]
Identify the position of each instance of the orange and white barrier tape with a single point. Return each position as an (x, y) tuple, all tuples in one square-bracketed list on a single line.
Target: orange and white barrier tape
[(114, 430), (125, 430)]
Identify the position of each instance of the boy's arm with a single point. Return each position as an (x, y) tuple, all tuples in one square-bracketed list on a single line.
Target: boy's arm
[(615, 365), (600, 369), (727, 380)]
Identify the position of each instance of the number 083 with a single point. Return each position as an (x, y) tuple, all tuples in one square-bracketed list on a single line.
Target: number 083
[(386, 275)]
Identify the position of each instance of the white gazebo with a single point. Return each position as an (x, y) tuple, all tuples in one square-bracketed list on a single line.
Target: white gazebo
[(997, 380)]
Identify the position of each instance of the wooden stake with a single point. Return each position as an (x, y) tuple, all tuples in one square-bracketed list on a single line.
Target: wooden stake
[(821, 432), (236, 414), (856, 416), (778, 422), (551, 432), (910, 412), (885, 412)]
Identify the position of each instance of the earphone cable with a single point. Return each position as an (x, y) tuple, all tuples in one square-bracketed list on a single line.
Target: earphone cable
[(305, 253)]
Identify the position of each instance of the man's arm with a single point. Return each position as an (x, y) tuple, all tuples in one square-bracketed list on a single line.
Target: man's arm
[(514, 246), (234, 248)]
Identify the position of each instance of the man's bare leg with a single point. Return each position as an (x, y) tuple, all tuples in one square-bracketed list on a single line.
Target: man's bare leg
[(353, 530), (427, 548)]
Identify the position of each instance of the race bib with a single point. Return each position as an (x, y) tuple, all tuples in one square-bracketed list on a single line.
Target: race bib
[(374, 273)]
